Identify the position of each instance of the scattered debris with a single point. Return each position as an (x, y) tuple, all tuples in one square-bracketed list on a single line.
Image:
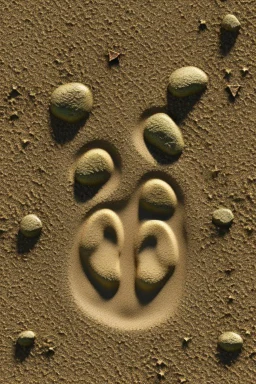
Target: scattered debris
[(231, 299), (228, 72), (202, 25), (50, 352), (14, 93), (186, 341), (229, 271), (249, 229), (233, 89), (215, 172), (161, 363), (161, 374), (24, 143), (32, 95), (244, 71), (113, 56), (14, 116)]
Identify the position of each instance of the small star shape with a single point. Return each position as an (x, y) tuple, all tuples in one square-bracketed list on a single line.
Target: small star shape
[(233, 89), (228, 72), (113, 56)]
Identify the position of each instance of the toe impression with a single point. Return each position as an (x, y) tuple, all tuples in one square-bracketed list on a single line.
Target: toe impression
[(156, 255), (100, 248)]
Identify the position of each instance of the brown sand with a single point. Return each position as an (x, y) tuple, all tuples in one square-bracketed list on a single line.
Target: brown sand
[(95, 324)]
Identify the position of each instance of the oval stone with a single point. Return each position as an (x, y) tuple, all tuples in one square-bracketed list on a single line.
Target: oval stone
[(162, 132), (230, 23), (230, 341), (30, 225), (158, 197), (71, 102), (187, 81), (222, 217), (26, 338), (94, 167)]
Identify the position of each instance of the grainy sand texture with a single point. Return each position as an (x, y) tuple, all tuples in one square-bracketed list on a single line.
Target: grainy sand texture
[(128, 180)]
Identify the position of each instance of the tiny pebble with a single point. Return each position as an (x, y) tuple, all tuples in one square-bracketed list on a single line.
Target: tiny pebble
[(222, 217), (30, 226), (26, 338)]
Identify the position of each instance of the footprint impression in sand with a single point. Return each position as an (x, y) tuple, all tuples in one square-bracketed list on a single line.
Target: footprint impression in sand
[(127, 267)]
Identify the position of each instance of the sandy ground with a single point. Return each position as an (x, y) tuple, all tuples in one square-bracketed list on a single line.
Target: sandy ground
[(83, 337)]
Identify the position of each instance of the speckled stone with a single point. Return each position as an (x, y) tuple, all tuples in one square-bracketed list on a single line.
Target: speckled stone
[(71, 102), (158, 197), (230, 341), (222, 217), (162, 132), (187, 81), (94, 167), (26, 338), (30, 225), (230, 23)]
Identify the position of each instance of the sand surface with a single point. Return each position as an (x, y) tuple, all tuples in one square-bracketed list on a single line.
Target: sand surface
[(127, 283)]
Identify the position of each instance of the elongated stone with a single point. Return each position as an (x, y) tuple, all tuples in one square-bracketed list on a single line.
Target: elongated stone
[(71, 102), (162, 132), (187, 81)]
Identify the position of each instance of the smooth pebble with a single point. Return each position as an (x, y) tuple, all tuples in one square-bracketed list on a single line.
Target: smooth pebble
[(162, 132), (230, 341), (26, 338), (30, 225), (187, 81), (222, 217), (94, 167), (230, 23), (71, 102)]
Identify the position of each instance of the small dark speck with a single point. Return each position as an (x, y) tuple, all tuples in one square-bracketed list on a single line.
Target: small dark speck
[(202, 25), (14, 116)]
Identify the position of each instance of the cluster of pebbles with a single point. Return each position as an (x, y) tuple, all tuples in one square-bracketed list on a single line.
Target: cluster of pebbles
[(72, 102)]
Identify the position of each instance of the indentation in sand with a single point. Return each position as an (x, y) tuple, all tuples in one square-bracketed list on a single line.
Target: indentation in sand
[(128, 261), (157, 255), (100, 247)]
